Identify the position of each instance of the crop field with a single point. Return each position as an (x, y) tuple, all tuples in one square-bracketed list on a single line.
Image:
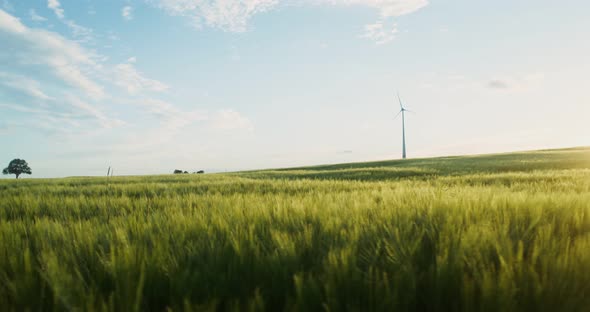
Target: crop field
[(506, 232)]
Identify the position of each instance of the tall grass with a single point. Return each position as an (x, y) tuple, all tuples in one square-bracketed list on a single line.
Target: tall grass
[(305, 240)]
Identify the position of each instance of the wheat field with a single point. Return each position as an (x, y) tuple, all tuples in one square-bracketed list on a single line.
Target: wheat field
[(506, 232)]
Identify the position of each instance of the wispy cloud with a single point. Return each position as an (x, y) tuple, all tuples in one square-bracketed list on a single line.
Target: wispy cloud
[(127, 13), (79, 77), (171, 122), (172, 119), (235, 15), (514, 81), (385, 29), (36, 17), (91, 111), (129, 78), (499, 84), (230, 119), (55, 6), (223, 14), (67, 59), (71, 62), (69, 112), (23, 84), (82, 33), (11, 24), (386, 8), (379, 32)]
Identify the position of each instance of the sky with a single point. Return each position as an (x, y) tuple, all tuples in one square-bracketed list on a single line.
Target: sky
[(149, 86)]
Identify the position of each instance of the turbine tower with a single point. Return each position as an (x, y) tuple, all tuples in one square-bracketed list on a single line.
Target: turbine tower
[(402, 111)]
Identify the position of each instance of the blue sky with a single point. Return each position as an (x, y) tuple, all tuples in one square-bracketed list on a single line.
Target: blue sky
[(148, 86)]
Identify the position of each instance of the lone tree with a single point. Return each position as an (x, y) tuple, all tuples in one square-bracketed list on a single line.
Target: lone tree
[(17, 167)]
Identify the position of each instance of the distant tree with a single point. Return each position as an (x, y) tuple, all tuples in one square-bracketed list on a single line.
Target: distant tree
[(200, 172), (186, 172), (176, 171), (17, 167)]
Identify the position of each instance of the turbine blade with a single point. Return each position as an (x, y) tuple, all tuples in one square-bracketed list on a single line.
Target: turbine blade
[(397, 115), (400, 101), (407, 110)]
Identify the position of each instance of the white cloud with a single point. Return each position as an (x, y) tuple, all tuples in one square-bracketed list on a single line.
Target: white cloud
[(499, 84), (36, 17), (231, 120), (73, 75), (223, 14), (23, 84), (514, 81), (11, 24), (83, 87), (129, 78), (235, 15), (173, 122), (385, 29), (81, 76), (502, 82), (72, 63), (69, 111), (82, 33), (24, 109), (170, 121), (127, 13), (56, 7), (160, 109), (173, 118), (67, 60), (93, 112), (379, 32), (386, 8)]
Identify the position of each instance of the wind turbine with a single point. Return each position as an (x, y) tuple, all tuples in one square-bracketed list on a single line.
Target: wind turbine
[(402, 111)]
